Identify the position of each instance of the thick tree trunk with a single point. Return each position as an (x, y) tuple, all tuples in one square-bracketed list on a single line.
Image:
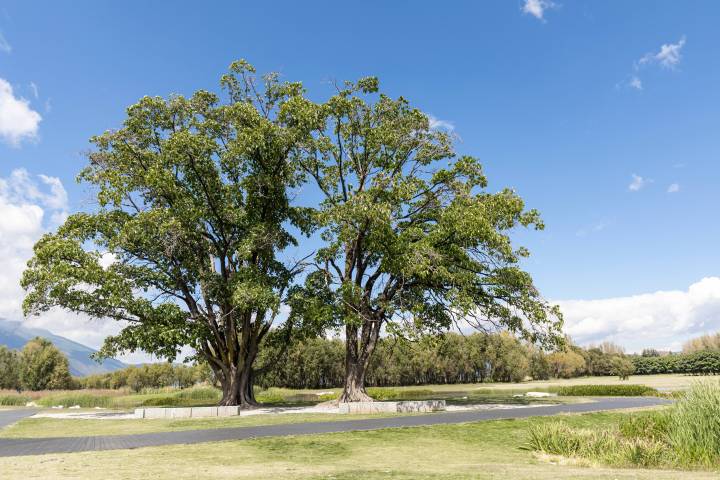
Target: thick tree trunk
[(237, 387), (354, 390), (356, 362)]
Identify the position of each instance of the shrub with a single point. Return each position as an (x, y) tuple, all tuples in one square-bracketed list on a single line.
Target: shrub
[(399, 394), (604, 390)]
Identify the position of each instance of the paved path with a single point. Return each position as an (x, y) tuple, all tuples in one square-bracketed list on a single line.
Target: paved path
[(8, 417), (39, 446)]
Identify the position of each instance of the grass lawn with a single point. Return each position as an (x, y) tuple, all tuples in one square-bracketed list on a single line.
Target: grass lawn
[(484, 450)]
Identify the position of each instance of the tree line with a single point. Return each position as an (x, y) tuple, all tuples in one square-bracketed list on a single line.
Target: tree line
[(447, 359)]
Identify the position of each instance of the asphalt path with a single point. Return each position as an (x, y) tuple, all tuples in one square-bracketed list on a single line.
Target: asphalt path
[(41, 446)]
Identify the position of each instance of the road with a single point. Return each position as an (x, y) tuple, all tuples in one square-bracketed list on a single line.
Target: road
[(40, 446)]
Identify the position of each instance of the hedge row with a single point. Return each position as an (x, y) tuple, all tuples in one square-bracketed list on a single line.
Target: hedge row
[(704, 362), (605, 391)]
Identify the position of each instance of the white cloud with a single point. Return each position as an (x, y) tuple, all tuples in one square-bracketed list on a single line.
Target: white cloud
[(537, 8), (635, 83), (29, 207), (437, 124), (662, 320), (4, 44), (673, 188), (669, 55), (18, 121), (637, 183)]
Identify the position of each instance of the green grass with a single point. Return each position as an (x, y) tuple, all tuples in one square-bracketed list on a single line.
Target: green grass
[(684, 435), (625, 390), (483, 450)]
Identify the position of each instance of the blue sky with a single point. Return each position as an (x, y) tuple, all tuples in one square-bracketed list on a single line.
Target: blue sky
[(570, 102)]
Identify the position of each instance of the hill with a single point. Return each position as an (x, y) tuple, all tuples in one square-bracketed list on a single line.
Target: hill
[(15, 335)]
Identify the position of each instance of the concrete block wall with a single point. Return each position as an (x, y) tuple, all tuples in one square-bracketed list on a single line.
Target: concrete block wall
[(393, 407), (188, 412)]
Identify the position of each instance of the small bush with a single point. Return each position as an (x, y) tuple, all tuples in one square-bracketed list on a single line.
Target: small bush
[(605, 391), (384, 393)]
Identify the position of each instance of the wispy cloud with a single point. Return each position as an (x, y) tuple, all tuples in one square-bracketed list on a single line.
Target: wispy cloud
[(673, 188), (637, 183), (537, 8), (667, 57), (4, 44), (594, 228), (437, 124), (34, 88), (18, 121)]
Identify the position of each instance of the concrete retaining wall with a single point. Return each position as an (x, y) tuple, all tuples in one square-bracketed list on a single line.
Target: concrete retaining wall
[(189, 412), (393, 407)]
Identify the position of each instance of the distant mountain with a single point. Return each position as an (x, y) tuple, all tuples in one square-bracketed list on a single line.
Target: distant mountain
[(15, 335)]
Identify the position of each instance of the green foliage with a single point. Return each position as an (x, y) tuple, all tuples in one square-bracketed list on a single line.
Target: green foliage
[(9, 369), (622, 367), (451, 358), (604, 390), (700, 362), (566, 364), (193, 209), (405, 394), (412, 239), (43, 366)]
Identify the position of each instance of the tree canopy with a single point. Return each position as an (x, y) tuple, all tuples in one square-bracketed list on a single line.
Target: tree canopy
[(192, 211), (197, 205), (413, 239)]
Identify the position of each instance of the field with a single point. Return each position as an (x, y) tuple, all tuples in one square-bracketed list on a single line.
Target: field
[(489, 450), (483, 450)]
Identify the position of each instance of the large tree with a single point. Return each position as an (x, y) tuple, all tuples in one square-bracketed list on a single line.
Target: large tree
[(43, 366), (413, 240), (192, 216)]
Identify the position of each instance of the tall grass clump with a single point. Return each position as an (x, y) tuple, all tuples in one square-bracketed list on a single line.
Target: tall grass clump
[(13, 400), (694, 425), (70, 399)]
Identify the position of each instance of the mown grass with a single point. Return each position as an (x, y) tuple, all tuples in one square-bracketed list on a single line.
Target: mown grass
[(484, 450), (685, 435)]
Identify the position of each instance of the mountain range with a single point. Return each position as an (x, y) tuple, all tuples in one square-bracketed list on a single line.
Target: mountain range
[(15, 335)]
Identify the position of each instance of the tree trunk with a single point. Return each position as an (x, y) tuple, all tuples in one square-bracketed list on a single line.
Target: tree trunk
[(237, 387), (354, 390), (356, 361)]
